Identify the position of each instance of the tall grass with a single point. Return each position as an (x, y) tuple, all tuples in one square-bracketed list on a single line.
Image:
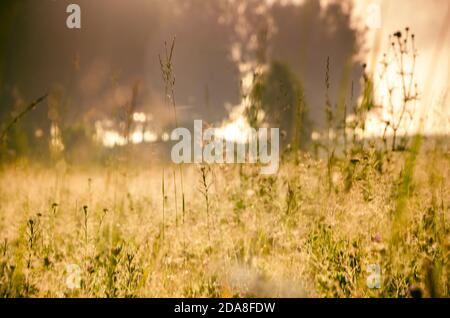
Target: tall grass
[(313, 229)]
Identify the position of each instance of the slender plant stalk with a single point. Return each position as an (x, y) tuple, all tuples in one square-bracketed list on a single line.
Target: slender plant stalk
[(204, 190), (169, 81), (86, 237), (329, 118), (163, 205), (176, 201), (22, 114)]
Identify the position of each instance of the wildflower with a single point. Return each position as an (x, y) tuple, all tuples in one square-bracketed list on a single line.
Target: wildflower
[(116, 250), (46, 261), (376, 238)]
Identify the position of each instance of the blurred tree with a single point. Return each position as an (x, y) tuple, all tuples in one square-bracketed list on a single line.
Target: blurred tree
[(280, 96), (306, 35)]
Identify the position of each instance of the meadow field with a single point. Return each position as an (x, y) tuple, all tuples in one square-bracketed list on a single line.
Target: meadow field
[(93, 203), (121, 231)]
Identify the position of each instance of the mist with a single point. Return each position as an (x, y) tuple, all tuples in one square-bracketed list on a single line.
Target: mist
[(95, 68)]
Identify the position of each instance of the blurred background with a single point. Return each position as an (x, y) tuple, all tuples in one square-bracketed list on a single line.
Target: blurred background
[(108, 72)]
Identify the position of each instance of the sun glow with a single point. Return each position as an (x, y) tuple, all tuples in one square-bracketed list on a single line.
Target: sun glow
[(111, 136), (235, 131), (431, 112)]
